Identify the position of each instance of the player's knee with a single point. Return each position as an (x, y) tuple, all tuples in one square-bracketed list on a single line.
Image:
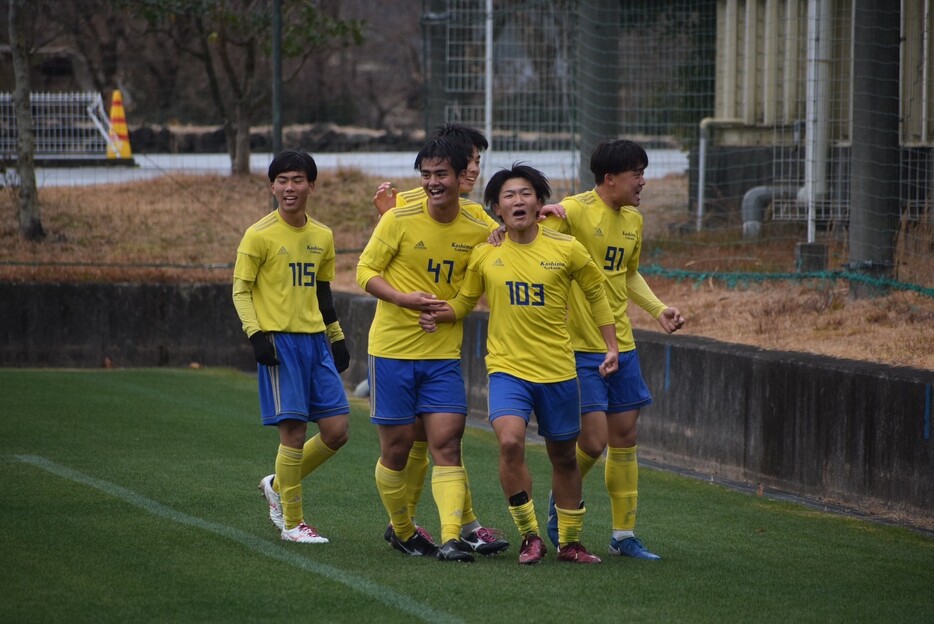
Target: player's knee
[(447, 454), (591, 446), (335, 439), (511, 449), (564, 463), (629, 440)]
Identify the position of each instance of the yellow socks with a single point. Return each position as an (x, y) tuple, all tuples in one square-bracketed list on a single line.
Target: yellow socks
[(524, 517), (416, 467), (449, 487), (570, 525), (585, 462), (391, 487), (314, 453), (469, 518), (289, 480), (622, 484)]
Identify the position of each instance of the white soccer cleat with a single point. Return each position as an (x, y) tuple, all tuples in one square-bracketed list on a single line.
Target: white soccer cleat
[(303, 534), (275, 503)]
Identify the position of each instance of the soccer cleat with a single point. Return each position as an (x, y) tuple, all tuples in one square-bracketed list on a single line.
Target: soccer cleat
[(552, 525), (387, 535), (424, 533), (486, 541), (273, 500), (454, 550), (303, 534), (576, 553), (532, 550), (631, 547), (415, 546)]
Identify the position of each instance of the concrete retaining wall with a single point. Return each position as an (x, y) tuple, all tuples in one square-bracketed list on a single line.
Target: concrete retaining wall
[(850, 432)]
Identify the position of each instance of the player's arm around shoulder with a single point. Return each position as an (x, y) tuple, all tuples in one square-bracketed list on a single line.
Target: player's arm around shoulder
[(472, 286), (556, 211), (385, 198)]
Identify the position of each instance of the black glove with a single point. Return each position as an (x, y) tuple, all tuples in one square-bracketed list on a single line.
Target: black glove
[(341, 355), (263, 350)]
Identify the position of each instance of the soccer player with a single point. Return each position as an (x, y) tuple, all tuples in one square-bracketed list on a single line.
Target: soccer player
[(527, 281), (606, 221), (416, 257), (281, 290), (480, 538)]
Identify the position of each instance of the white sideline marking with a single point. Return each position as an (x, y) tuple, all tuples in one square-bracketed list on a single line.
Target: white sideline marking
[(356, 583)]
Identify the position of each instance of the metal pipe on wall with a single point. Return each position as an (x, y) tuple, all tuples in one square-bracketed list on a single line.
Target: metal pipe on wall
[(817, 140)]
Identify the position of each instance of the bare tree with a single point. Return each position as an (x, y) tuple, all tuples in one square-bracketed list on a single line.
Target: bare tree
[(231, 42), (22, 20), (93, 33)]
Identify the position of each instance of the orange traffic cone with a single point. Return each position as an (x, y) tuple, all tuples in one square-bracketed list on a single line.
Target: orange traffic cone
[(119, 135)]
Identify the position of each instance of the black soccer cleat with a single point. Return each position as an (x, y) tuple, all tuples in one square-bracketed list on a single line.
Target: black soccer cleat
[(486, 541), (415, 546), (454, 550)]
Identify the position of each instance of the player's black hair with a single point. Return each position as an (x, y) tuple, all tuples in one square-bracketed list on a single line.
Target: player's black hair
[(292, 160), (534, 176), (464, 134), (455, 152), (617, 156)]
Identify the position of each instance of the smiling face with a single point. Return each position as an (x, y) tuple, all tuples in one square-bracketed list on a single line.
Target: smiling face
[(472, 173), (441, 184), (518, 205), (291, 189)]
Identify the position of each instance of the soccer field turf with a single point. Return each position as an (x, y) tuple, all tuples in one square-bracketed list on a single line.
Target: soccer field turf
[(130, 495)]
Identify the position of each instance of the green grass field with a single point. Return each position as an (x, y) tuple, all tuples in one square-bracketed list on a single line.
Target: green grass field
[(130, 495)]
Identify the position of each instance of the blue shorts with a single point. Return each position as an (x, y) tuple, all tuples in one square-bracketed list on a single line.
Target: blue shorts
[(402, 389), (305, 385), (623, 391), (556, 405)]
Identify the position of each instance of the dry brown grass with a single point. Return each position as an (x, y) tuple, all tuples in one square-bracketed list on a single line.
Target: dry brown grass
[(187, 229)]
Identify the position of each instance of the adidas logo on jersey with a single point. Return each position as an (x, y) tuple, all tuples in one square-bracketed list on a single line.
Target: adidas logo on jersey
[(283, 251), (598, 232), (420, 245), (498, 263)]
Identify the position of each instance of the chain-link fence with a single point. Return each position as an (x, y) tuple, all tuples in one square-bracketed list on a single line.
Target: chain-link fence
[(813, 113)]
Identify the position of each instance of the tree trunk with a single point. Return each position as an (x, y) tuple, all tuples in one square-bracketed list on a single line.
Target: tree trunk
[(30, 224), (241, 157)]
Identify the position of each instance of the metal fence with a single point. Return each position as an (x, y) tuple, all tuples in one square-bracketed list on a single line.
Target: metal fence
[(65, 125)]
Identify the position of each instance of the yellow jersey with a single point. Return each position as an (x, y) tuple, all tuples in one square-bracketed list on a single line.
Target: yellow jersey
[(413, 252), (528, 288), (614, 240), (417, 195), (284, 264)]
